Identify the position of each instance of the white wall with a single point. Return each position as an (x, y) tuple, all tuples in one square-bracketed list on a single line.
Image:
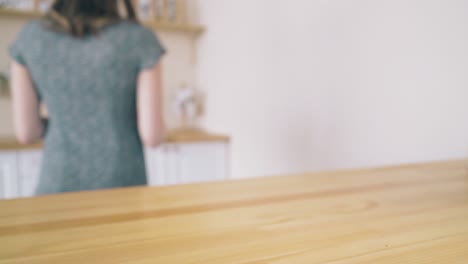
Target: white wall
[(306, 85)]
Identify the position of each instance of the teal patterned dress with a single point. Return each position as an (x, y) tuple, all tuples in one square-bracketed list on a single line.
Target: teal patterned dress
[(89, 87)]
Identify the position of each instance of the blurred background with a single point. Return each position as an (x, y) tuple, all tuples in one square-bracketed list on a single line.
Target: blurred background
[(317, 85), (296, 86)]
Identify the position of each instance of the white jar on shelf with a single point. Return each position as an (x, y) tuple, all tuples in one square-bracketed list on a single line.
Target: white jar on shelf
[(160, 9), (145, 9), (176, 11), (44, 5), (23, 5)]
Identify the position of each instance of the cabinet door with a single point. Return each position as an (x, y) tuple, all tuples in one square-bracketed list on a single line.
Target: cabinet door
[(162, 165), (203, 162), (155, 165), (171, 166), (9, 178), (29, 170), (173, 163)]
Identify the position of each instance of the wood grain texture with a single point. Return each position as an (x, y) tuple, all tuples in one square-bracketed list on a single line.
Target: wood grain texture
[(11, 144), (407, 214)]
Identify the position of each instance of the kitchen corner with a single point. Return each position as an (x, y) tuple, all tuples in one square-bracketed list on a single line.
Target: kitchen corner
[(186, 156)]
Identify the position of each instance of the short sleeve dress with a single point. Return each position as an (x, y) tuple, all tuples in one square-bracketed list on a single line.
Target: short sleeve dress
[(89, 87)]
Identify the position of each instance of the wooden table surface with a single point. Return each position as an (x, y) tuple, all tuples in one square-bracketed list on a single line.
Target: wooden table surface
[(406, 214)]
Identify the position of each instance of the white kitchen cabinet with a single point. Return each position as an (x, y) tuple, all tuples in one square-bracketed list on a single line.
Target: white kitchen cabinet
[(203, 162), (170, 164), (19, 173), (184, 163), (29, 169), (9, 180)]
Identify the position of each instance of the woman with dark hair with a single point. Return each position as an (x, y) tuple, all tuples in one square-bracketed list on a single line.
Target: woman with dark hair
[(97, 70)]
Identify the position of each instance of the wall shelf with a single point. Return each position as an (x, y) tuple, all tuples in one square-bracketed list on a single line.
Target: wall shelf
[(156, 25), (167, 26)]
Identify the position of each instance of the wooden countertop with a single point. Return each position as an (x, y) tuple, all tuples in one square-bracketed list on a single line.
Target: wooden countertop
[(175, 136), (11, 144), (409, 214)]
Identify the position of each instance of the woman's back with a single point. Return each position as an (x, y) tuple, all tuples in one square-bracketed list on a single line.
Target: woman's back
[(89, 87)]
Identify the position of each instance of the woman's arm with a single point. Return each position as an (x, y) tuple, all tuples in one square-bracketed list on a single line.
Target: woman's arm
[(29, 126), (149, 106)]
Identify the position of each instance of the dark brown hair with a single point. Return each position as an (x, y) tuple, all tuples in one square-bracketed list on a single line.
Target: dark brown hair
[(84, 17)]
